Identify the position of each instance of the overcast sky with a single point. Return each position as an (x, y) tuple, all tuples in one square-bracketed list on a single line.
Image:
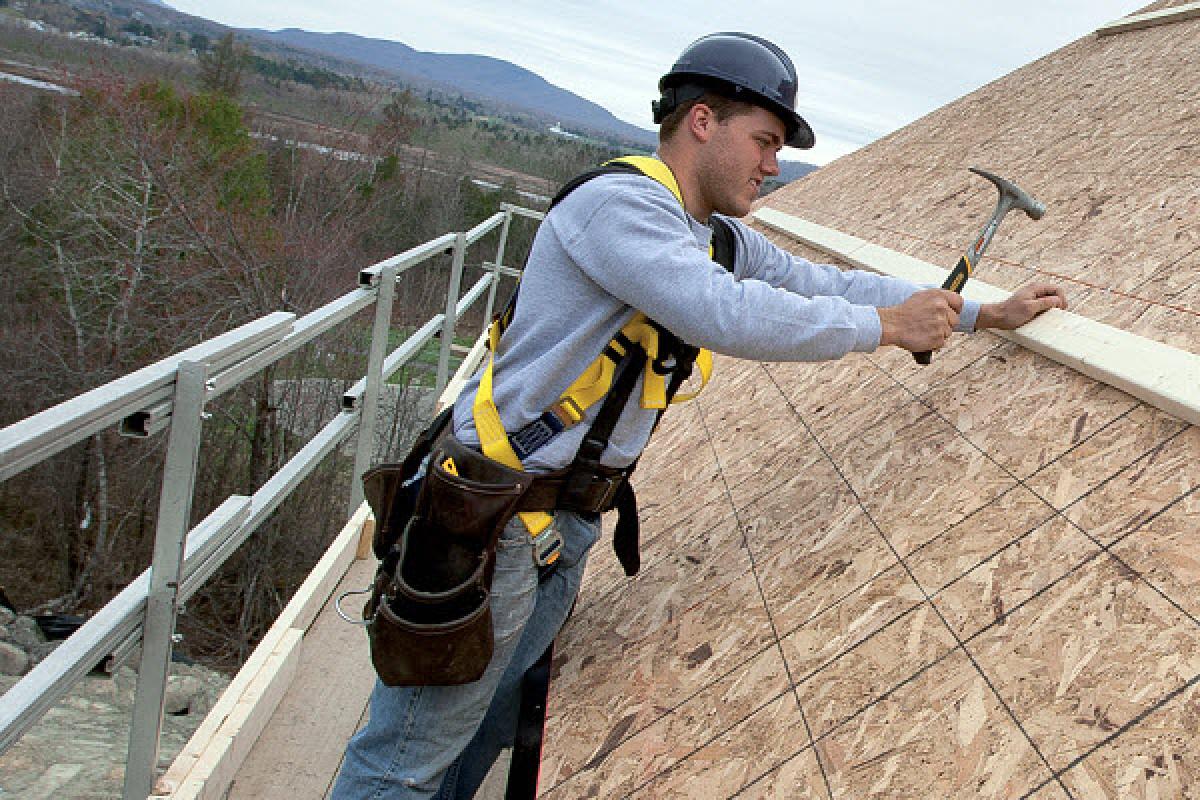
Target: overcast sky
[(867, 67)]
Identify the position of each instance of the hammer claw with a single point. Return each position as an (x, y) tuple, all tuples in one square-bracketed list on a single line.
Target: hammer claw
[(1017, 197), (1011, 196)]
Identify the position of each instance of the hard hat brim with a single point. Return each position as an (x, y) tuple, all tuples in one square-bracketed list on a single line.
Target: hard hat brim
[(800, 135)]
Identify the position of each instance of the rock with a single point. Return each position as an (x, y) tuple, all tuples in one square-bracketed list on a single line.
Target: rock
[(90, 727), (13, 660), (25, 633), (6, 616), (184, 695), (42, 649)]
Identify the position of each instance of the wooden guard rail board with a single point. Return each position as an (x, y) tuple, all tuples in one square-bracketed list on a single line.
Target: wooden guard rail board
[(1150, 19), (1163, 376)]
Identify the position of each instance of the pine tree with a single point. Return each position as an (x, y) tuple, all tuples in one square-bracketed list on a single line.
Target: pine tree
[(221, 68)]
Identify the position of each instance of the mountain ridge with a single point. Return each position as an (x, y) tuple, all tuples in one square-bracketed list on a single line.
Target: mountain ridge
[(470, 73)]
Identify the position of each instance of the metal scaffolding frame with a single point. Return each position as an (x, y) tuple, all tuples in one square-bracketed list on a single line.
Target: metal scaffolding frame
[(172, 393)]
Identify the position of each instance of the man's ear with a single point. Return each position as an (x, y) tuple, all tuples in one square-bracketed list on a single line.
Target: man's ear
[(701, 121)]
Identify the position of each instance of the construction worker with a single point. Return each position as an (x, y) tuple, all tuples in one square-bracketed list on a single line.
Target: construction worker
[(616, 245)]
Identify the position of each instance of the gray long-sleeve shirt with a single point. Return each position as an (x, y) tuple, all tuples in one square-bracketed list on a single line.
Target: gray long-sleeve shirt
[(622, 243)]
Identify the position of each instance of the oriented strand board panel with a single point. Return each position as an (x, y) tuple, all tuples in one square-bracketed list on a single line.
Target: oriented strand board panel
[(976, 579)]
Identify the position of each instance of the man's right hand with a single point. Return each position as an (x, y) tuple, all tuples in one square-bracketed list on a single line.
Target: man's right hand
[(922, 322)]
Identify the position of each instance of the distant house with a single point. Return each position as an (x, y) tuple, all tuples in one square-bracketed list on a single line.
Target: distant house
[(557, 130), (137, 39)]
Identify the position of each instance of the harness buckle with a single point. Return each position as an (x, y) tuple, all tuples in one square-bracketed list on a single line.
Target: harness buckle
[(612, 486), (567, 411), (547, 546)]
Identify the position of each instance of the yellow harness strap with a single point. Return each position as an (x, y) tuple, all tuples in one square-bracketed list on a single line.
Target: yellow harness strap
[(494, 440), (653, 168), (594, 383)]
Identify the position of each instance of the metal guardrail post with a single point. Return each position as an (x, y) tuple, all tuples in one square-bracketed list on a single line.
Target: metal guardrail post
[(491, 300), (173, 392), (174, 510), (369, 406), (456, 272)]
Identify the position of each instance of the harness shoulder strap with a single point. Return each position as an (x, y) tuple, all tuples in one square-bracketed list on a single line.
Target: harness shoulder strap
[(651, 168), (607, 168), (628, 165), (641, 342), (724, 242)]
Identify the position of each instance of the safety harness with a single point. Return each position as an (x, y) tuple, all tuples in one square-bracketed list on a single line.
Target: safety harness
[(642, 347)]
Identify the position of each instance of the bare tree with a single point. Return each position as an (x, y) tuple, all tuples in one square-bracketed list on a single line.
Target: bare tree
[(141, 220)]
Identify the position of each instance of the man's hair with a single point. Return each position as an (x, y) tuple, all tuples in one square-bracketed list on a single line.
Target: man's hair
[(723, 107)]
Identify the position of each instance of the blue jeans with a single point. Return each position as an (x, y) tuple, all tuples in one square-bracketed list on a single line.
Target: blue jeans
[(424, 740)]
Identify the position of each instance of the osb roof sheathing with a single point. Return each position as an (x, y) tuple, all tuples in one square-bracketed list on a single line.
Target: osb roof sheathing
[(979, 578)]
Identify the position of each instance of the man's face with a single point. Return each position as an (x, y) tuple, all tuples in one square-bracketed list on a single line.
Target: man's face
[(738, 156)]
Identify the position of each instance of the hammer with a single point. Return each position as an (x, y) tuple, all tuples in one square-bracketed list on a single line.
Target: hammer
[(1011, 196)]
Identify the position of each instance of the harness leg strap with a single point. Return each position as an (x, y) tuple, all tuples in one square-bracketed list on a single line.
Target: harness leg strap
[(626, 533)]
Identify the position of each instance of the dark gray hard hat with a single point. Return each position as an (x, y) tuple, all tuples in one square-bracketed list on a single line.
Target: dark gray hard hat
[(741, 66)]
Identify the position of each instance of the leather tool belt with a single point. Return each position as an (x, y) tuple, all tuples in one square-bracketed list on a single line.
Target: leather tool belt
[(429, 615), (574, 489)]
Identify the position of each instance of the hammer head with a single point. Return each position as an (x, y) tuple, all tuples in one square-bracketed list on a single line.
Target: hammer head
[(1012, 195)]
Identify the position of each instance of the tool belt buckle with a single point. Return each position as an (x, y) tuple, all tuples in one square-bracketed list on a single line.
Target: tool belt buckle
[(547, 546), (612, 484)]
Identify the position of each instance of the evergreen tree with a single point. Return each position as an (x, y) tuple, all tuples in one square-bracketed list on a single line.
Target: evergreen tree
[(222, 67)]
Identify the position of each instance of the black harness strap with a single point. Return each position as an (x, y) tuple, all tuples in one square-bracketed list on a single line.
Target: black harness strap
[(627, 532), (724, 243), (526, 763), (675, 357), (584, 177), (527, 749)]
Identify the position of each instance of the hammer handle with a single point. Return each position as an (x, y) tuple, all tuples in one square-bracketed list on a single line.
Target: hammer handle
[(954, 282)]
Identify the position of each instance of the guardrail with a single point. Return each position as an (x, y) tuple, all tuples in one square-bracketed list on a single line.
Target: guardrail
[(172, 393)]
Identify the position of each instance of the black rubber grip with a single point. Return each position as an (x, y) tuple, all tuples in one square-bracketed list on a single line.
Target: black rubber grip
[(954, 282)]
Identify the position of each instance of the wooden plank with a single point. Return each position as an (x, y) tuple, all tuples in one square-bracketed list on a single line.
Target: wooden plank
[(364, 540), (257, 706), (212, 762), (465, 370), (1150, 19), (299, 613), (215, 768), (1158, 374), (299, 754), (361, 723), (171, 783)]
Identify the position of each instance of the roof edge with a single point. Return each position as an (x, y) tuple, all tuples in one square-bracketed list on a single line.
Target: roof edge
[(1150, 19), (1155, 373)]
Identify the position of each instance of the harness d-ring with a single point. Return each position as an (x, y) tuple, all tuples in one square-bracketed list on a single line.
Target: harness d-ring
[(337, 606)]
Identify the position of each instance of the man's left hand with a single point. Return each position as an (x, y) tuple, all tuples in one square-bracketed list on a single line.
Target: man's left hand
[(1021, 306)]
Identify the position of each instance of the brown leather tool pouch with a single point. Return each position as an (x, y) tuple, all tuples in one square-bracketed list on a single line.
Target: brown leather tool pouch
[(429, 615), (395, 487)]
